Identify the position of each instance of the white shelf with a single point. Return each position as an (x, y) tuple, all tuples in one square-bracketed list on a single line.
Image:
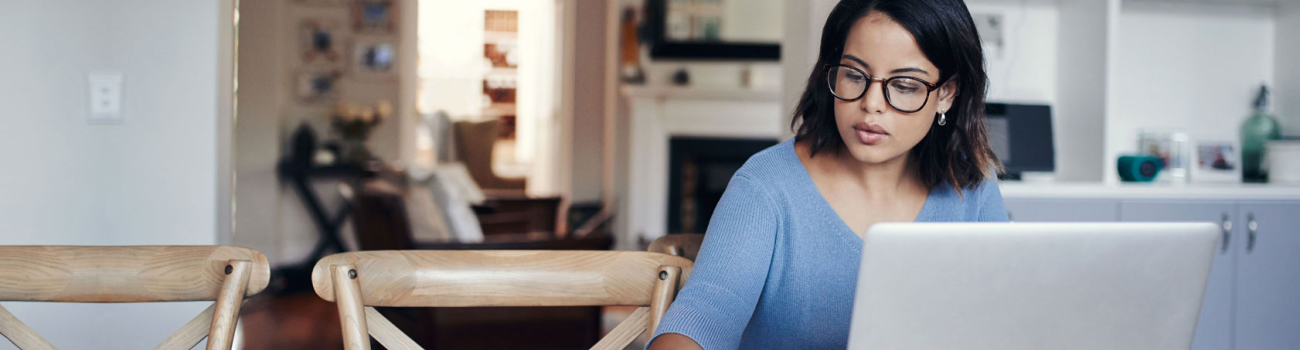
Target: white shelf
[(1219, 2), (1151, 191), (1114, 68)]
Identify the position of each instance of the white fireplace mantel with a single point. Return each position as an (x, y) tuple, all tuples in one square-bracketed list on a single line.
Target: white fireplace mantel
[(660, 113)]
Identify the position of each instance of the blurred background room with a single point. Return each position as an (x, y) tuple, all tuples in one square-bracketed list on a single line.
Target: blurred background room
[(303, 128)]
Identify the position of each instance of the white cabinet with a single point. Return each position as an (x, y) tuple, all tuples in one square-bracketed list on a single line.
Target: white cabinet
[(1252, 299), (1214, 328), (1061, 210), (1267, 306)]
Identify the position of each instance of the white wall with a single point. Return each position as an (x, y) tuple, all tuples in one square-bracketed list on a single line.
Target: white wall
[(1024, 69), (258, 131), (588, 99), (1287, 50), (150, 180), (1194, 68), (799, 47), (1085, 46)]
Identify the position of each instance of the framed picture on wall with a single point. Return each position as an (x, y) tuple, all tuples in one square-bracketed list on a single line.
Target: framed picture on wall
[(320, 41), (374, 16), (318, 85), (1216, 161), (374, 58)]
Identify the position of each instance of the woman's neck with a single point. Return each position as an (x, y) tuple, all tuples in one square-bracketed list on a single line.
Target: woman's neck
[(879, 180)]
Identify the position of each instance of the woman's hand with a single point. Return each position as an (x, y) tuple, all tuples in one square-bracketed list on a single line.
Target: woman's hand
[(674, 341)]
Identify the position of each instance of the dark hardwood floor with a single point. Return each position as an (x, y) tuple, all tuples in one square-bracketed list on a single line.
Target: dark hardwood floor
[(289, 322), (304, 321)]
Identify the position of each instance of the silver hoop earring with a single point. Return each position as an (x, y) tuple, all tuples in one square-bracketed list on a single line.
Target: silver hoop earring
[(943, 119)]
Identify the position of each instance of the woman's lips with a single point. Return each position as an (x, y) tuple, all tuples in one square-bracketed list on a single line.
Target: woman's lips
[(870, 134)]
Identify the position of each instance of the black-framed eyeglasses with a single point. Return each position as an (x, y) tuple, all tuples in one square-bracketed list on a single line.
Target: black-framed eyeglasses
[(906, 94)]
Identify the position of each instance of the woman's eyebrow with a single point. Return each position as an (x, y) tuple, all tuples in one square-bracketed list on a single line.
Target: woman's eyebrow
[(858, 60), (910, 70), (896, 71)]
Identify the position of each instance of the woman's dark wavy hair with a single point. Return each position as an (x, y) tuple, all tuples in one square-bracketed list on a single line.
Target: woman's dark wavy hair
[(957, 154)]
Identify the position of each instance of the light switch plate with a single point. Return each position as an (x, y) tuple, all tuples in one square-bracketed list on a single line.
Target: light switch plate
[(105, 97), (992, 32)]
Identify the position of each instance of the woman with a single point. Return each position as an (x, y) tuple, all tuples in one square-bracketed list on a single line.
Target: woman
[(890, 128)]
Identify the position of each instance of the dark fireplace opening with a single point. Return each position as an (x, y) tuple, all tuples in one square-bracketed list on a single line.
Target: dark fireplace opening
[(698, 172)]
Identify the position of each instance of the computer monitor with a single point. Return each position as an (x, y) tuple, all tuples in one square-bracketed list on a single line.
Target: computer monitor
[(1021, 137)]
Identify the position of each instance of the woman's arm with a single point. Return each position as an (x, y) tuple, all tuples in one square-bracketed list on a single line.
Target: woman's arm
[(991, 207), (674, 341), (718, 300)]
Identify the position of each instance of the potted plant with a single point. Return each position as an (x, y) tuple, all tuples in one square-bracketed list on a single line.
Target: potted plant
[(353, 124)]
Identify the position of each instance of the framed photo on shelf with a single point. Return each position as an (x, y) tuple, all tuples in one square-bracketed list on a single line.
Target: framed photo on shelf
[(1173, 150), (374, 16), (374, 58), (320, 40), (318, 85), (1216, 161)]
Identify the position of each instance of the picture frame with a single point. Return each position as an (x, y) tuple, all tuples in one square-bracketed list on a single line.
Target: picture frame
[(1173, 148), (320, 40), (374, 16), (1216, 161), (374, 58), (315, 86), (669, 38)]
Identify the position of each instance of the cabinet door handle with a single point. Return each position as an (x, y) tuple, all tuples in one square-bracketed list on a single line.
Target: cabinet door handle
[(1251, 228), (1227, 234)]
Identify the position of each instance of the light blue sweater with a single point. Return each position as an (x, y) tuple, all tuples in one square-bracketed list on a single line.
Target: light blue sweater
[(778, 267)]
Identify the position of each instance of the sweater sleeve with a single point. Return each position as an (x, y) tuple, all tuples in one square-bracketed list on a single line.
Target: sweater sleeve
[(716, 304), (990, 203)]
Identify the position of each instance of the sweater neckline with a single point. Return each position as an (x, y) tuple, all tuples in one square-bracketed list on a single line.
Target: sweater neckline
[(823, 206)]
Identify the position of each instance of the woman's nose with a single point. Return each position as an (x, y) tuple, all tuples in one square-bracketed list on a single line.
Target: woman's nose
[(874, 99)]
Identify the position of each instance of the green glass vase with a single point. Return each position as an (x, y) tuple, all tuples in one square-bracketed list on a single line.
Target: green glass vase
[(1256, 132)]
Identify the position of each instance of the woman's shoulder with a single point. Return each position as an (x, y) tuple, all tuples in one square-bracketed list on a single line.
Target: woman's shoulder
[(977, 192), (774, 165), (772, 175), (982, 202)]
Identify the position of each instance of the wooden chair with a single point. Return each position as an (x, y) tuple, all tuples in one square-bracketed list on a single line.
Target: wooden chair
[(134, 275), (359, 281), (686, 245)]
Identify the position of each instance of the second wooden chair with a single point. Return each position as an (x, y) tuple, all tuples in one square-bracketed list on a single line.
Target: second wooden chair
[(359, 281), (686, 245)]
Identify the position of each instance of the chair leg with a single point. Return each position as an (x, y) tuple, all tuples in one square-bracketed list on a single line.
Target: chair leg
[(222, 334), (626, 332), (22, 336), (191, 333), (388, 334), (664, 293), (352, 315)]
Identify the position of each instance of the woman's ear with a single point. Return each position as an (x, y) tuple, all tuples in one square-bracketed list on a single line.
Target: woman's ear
[(948, 94)]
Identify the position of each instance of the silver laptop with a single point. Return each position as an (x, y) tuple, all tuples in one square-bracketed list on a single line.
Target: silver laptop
[(1031, 286)]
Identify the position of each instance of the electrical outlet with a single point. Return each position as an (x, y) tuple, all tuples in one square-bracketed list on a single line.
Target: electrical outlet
[(105, 97)]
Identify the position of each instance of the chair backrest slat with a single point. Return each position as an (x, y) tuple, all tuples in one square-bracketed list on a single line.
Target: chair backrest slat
[(122, 274), (686, 245), (499, 278)]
